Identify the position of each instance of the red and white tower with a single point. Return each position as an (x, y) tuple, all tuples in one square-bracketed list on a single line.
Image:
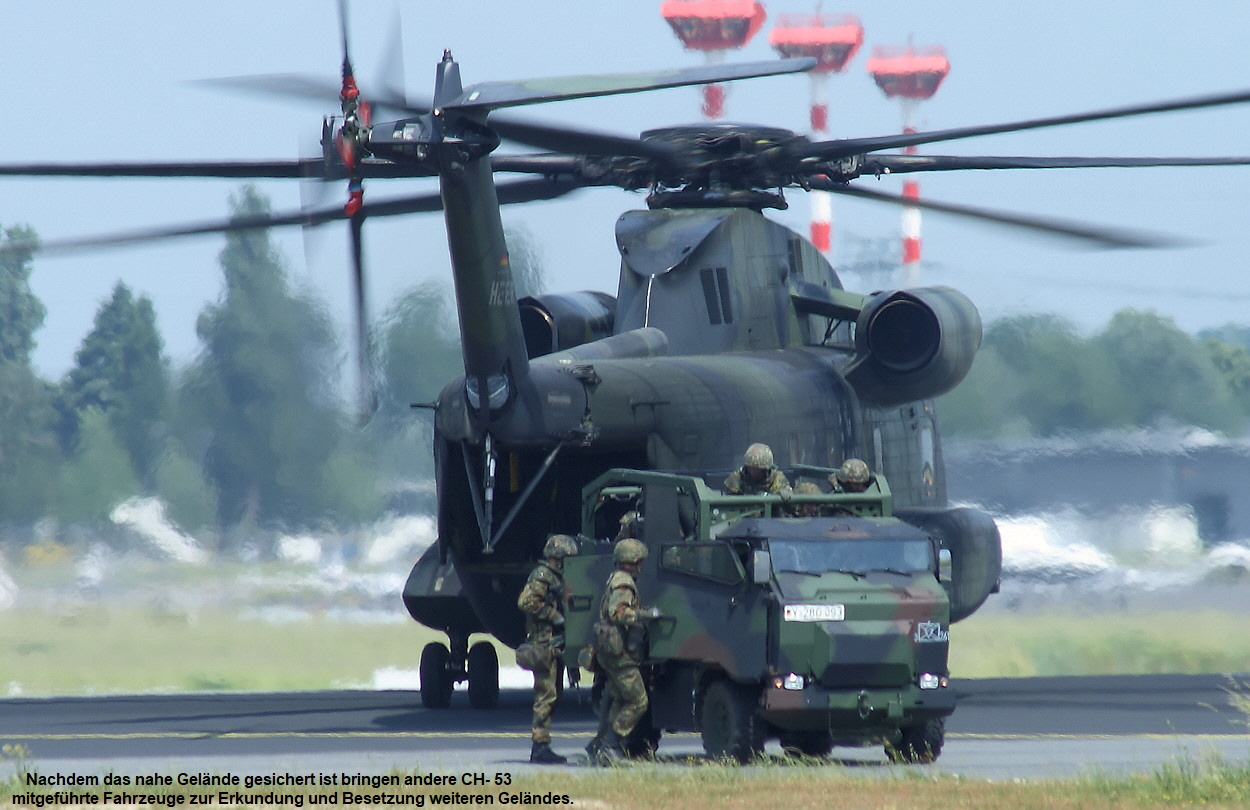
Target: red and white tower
[(833, 40), (713, 26), (910, 75)]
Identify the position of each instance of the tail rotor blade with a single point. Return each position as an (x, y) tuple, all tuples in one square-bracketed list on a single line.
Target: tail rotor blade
[(366, 383)]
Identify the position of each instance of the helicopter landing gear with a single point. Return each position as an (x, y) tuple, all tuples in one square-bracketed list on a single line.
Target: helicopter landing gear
[(443, 668)]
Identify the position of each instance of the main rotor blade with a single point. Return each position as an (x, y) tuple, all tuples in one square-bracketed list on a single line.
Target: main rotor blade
[(308, 167), (296, 86), (495, 95), (856, 146), (304, 168), (573, 141), (540, 188), (898, 164), (1093, 235)]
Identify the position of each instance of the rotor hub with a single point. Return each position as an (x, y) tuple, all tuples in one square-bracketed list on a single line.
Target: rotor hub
[(725, 165)]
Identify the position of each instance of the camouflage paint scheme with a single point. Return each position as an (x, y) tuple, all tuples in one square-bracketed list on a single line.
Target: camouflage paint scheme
[(724, 621)]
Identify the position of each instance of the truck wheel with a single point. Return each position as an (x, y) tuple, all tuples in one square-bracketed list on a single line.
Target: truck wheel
[(436, 683), (807, 743), (731, 727), (920, 743), (483, 676)]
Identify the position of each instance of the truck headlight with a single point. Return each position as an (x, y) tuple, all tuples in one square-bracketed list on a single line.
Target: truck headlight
[(930, 681), (793, 682)]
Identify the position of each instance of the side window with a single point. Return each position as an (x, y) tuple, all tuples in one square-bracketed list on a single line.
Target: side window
[(712, 561)]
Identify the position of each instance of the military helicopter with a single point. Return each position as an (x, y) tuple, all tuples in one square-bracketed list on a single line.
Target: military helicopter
[(726, 328)]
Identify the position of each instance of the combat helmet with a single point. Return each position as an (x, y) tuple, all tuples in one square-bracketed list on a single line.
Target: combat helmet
[(758, 455), (806, 488), (629, 550), (853, 471), (559, 546)]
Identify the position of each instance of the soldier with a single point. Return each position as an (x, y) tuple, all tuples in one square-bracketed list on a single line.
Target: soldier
[(630, 522), (758, 475), (618, 650), (852, 476), (806, 509), (542, 602)]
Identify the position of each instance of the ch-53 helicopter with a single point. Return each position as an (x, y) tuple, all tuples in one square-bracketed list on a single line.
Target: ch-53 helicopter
[(726, 328)]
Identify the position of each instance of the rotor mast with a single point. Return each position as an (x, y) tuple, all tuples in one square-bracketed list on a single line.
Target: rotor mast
[(910, 75), (832, 40)]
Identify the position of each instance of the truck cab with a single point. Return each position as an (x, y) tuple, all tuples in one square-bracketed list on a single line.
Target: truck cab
[(825, 629)]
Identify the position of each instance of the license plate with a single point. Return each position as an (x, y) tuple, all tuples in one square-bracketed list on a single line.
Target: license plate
[(815, 613)]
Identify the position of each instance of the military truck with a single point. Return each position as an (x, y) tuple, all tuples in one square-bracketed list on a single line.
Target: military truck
[(825, 629)]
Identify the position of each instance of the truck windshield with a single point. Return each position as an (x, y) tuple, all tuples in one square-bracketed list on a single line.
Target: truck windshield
[(852, 556)]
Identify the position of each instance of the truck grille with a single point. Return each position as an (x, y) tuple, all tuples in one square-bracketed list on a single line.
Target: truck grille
[(881, 674)]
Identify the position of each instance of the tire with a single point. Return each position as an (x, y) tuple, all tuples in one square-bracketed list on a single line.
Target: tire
[(920, 743), (483, 676), (807, 743), (436, 682), (731, 727)]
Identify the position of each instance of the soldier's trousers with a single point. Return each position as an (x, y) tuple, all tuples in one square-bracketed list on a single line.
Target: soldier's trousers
[(546, 696), (627, 693)]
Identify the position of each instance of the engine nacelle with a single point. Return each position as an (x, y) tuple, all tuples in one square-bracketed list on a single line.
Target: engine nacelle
[(976, 550), (914, 344), (552, 323)]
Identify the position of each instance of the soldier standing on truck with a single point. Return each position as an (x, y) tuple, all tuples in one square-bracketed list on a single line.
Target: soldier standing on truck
[(618, 650), (758, 475), (542, 602), (806, 509), (852, 476)]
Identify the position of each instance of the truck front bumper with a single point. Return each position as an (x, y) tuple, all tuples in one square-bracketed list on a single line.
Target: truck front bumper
[(854, 711)]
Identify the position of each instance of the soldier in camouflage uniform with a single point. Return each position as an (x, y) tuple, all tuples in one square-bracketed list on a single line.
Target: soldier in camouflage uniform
[(758, 475), (618, 650), (542, 602), (806, 509), (852, 476)]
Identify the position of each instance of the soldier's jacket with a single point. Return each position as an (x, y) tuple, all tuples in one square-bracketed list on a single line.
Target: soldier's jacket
[(619, 630), (542, 601), (775, 484)]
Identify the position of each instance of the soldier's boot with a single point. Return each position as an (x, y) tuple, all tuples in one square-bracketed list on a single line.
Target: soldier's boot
[(610, 751), (592, 747), (542, 754)]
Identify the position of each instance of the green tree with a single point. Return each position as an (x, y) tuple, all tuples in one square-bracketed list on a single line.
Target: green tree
[(419, 353), (28, 450), (526, 260), (1167, 375), (1065, 381), (120, 371), (263, 389), (1232, 361), (99, 476)]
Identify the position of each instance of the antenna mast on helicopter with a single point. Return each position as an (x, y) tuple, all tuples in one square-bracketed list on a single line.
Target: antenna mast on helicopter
[(713, 27), (910, 75), (832, 40)]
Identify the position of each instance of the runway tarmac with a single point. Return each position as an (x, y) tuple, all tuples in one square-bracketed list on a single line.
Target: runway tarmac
[(1002, 729)]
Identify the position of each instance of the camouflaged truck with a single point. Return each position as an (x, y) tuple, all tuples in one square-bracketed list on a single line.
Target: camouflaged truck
[(818, 631)]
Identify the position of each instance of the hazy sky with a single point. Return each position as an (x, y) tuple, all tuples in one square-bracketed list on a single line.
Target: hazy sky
[(114, 81)]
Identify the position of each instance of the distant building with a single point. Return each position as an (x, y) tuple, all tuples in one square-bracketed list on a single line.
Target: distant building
[(1103, 472)]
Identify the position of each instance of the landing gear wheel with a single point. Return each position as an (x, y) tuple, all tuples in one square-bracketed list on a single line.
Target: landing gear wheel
[(436, 682), (920, 743), (483, 676), (807, 743), (731, 727)]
